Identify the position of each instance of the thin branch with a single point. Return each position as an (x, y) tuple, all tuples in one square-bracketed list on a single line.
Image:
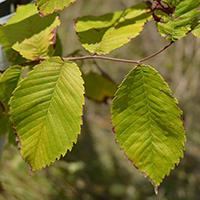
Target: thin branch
[(100, 57), (151, 56), (104, 58), (118, 59)]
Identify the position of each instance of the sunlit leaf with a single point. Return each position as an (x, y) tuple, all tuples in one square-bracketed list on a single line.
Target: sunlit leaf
[(196, 29), (98, 87), (148, 124), (175, 20), (50, 6), (100, 35), (29, 34), (46, 111)]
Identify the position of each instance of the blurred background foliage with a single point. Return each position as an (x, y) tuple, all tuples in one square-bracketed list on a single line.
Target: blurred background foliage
[(96, 169)]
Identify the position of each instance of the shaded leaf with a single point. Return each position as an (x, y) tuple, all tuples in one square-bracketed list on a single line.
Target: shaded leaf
[(29, 34), (147, 123), (8, 82), (175, 21), (46, 111), (58, 47), (98, 87), (100, 35), (12, 55), (50, 6), (3, 121)]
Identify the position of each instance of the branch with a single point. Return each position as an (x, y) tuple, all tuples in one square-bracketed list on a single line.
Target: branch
[(118, 59), (103, 58), (100, 57), (151, 56)]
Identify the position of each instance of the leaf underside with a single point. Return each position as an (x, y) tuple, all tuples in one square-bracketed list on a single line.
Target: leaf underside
[(46, 111), (50, 6), (29, 34), (100, 35), (176, 22), (147, 123)]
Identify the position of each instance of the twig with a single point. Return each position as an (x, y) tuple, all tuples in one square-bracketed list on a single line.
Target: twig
[(151, 56), (100, 57), (104, 58), (118, 59)]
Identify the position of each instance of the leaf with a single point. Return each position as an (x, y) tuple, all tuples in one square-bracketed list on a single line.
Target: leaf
[(58, 47), (196, 29), (98, 87), (12, 55), (46, 111), (8, 82), (3, 121), (100, 35), (29, 34), (147, 123), (174, 20), (50, 6)]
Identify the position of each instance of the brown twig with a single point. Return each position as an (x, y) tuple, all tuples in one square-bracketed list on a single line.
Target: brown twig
[(100, 57), (151, 56), (104, 58)]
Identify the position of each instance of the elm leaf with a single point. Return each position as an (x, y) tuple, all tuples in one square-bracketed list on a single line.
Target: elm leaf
[(50, 6), (46, 111), (100, 35), (174, 21), (29, 34), (148, 124), (98, 87)]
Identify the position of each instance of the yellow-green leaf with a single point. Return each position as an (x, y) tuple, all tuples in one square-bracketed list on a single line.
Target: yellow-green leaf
[(100, 35), (29, 34), (46, 111)]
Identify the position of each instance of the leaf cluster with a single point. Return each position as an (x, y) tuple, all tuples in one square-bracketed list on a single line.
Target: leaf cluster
[(46, 106)]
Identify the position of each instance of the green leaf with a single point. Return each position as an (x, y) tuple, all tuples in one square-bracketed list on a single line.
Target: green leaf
[(50, 6), (46, 111), (58, 47), (175, 21), (100, 35), (8, 82), (196, 29), (148, 124), (12, 55), (3, 120), (98, 87), (29, 34)]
